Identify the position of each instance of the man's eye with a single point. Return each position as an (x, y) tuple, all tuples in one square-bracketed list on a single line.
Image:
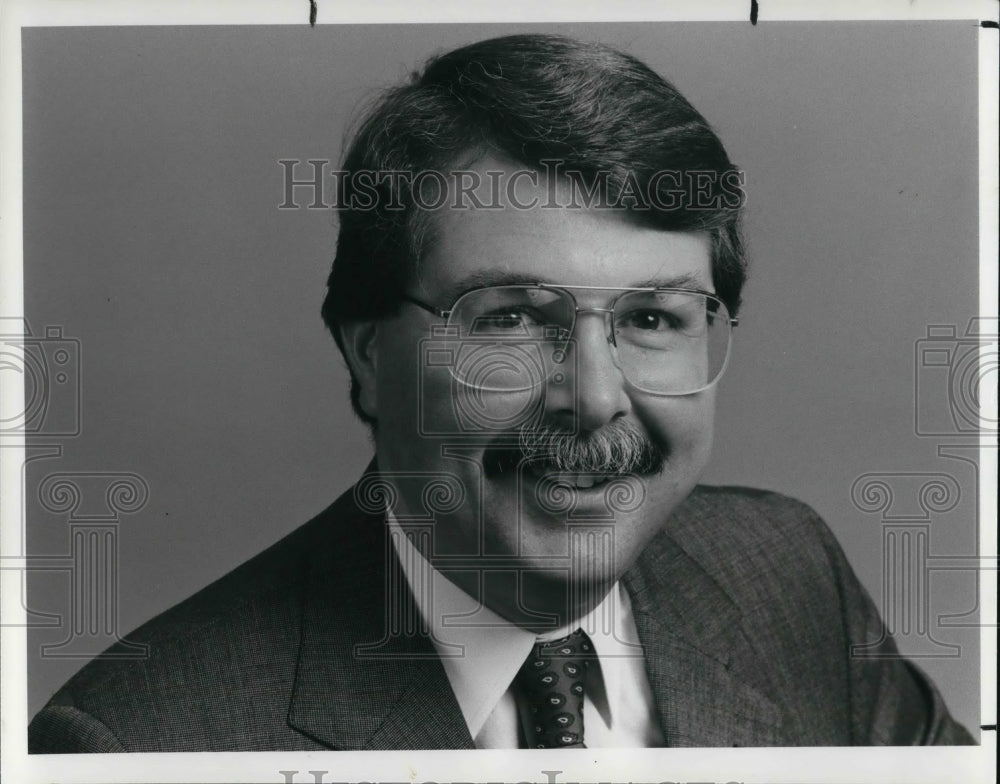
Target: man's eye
[(510, 321), (651, 320)]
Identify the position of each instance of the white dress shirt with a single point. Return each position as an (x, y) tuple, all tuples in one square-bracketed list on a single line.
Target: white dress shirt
[(482, 653)]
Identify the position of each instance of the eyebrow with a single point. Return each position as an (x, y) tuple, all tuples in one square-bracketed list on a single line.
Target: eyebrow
[(685, 281), (499, 277), (491, 277)]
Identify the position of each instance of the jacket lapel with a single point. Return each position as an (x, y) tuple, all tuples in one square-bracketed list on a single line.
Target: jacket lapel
[(709, 682), (358, 686)]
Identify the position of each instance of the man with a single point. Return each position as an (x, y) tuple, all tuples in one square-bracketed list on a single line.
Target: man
[(537, 275)]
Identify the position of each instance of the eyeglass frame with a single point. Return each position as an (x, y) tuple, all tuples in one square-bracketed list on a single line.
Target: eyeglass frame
[(568, 290), (446, 313)]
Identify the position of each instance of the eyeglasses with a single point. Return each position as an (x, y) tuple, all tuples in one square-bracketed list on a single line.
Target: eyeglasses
[(665, 341)]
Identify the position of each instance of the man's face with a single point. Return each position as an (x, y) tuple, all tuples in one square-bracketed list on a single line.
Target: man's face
[(509, 514)]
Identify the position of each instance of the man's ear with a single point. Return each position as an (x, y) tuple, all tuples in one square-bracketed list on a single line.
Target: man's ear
[(360, 342)]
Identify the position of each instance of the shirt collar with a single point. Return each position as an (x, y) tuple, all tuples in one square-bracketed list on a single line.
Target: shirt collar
[(482, 652)]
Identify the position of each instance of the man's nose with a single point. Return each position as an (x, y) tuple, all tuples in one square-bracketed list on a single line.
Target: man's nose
[(592, 391)]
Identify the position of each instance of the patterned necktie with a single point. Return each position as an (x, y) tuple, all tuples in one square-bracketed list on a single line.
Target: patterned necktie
[(553, 681)]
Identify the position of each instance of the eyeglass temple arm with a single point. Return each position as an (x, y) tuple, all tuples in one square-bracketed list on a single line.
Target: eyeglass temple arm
[(429, 308)]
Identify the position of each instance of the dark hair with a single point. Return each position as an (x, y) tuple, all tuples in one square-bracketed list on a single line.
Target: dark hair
[(530, 98)]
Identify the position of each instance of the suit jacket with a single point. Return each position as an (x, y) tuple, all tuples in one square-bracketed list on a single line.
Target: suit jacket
[(744, 604)]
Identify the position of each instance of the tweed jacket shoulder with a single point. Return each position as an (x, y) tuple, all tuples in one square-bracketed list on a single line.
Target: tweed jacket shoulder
[(745, 606)]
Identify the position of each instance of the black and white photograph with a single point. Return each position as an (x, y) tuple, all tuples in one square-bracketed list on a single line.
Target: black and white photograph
[(499, 397)]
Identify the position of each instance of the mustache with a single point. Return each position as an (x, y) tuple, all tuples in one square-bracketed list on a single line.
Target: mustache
[(617, 448)]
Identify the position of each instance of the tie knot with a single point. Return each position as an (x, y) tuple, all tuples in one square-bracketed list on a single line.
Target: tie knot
[(576, 645), (553, 681)]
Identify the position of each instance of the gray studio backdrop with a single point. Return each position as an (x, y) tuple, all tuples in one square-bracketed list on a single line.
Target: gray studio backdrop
[(213, 415)]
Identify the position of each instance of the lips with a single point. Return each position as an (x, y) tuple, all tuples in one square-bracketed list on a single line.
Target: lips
[(501, 463), (581, 481)]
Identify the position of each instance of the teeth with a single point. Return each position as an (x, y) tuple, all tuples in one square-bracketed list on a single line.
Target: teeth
[(580, 481)]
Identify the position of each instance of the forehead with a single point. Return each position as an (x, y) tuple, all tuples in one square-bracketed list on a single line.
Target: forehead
[(517, 226)]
